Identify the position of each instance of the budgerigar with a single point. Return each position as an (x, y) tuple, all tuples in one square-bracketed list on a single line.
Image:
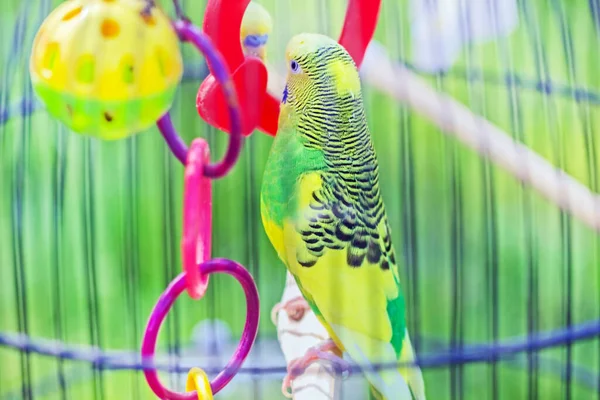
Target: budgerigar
[(255, 30), (323, 212)]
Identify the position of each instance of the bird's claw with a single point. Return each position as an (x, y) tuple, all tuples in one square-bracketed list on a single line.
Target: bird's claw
[(321, 352), (295, 309)]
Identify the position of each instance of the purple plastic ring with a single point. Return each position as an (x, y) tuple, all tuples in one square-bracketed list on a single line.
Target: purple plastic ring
[(164, 304), (189, 33)]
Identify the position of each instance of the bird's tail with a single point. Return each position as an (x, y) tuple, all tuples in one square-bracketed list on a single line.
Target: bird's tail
[(403, 383), (412, 374)]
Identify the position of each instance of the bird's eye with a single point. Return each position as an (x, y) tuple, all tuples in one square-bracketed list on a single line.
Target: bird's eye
[(295, 66)]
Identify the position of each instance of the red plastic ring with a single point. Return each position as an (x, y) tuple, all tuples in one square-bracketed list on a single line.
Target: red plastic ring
[(222, 22)]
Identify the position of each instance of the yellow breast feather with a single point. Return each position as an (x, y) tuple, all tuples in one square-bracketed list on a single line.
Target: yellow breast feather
[(274, 232), (355, 298)]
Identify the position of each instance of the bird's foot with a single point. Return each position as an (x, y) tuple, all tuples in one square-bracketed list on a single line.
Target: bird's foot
[(295, 309), (325, 351)]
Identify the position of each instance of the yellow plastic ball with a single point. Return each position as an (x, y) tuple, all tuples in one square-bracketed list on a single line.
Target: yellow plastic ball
[(106, 68)]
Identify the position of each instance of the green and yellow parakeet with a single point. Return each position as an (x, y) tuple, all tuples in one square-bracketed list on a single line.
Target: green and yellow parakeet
[(323, 212), (255, 30)]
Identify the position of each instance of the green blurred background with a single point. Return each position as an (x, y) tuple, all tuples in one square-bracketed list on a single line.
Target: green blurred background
[(90, 230)]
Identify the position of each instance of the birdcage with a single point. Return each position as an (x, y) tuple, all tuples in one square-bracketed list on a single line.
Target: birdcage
[(484, 117)]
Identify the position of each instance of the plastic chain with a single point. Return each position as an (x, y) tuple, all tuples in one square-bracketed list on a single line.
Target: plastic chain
[(197, 220), (220, 72), (222, 21), (198, 382), (197, 234)]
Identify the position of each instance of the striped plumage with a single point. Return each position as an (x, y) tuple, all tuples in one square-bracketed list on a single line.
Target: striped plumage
[(349, 205), (323, 212)]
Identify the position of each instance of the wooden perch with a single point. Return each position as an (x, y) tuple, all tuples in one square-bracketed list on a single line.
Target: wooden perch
[(295, 338)]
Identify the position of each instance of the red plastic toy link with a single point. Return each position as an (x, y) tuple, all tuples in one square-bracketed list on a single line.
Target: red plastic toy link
[(197, 218), (222, 21)]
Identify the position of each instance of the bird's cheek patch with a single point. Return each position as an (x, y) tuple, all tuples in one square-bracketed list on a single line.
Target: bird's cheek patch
[(285, 95), (345, 77)]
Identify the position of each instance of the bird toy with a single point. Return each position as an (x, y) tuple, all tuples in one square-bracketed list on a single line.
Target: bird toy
[(197, 228), (222, 21), (122, 93), (108, 69)]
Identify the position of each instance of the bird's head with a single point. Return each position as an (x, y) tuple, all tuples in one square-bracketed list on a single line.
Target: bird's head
[(255, 30), (319, 71)]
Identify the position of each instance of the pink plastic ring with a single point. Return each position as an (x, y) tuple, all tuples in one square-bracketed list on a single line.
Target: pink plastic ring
[(164, 304), (197, 218)]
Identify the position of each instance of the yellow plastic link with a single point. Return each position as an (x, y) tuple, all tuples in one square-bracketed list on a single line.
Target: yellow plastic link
[(198, 381)]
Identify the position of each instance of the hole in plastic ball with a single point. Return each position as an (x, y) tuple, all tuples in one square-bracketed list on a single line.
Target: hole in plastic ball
[(110, 28), (148, 18), (86, 66), (127, 69), (50, 56), (72, 14), (108, 117)]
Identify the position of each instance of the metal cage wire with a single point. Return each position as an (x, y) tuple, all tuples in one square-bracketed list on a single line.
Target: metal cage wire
[(502, 288)]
